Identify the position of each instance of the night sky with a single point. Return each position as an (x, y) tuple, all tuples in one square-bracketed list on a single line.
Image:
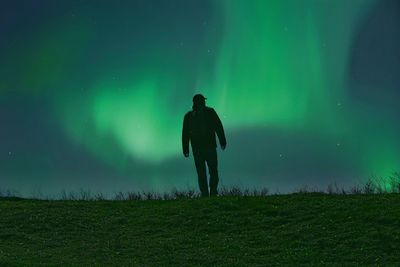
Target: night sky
[(93, 92)]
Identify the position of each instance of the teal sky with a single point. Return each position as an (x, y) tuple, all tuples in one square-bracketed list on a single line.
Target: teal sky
[(93, 93)]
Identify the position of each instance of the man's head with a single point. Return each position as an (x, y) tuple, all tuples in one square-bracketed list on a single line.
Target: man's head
[(199, 101)]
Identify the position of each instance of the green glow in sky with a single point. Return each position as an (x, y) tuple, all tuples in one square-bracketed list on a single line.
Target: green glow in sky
[(120, 85), (138, 119), (273, 68)]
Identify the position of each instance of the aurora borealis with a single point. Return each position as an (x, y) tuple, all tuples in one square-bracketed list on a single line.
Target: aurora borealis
[(93, 93)]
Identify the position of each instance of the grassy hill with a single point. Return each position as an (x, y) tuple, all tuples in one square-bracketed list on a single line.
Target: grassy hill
[(297, 229)]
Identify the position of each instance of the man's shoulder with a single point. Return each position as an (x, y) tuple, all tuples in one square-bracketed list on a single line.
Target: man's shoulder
[(207, 110), (187, 114), (210, 109)]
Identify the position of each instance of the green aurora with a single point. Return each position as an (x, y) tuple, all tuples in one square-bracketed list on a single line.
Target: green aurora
[(275, 65)]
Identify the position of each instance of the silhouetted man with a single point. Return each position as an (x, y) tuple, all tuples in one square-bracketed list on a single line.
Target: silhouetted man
[(200, 126)]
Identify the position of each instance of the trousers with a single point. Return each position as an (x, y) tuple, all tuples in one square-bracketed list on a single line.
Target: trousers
[(201, 158)]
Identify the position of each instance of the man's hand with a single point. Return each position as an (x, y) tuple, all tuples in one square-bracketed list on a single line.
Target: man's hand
[(186, 155)]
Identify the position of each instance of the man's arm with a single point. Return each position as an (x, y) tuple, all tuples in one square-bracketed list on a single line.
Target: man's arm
[(219, 129), (185, 136)]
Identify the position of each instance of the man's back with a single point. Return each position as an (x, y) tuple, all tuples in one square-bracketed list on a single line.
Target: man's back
[(200, 126)]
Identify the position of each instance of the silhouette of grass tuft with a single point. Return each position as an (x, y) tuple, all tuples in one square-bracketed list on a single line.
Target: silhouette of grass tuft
[(374, 185)]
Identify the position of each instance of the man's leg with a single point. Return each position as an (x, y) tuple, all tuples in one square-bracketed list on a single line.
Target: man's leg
[(200, 163), (212, 162)]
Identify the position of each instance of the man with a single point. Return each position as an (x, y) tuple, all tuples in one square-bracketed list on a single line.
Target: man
[(199, 127)]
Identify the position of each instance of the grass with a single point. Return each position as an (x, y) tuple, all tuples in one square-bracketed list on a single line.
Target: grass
[(236, 229)]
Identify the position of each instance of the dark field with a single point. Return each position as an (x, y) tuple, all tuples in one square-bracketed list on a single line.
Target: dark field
[(298, 229)]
